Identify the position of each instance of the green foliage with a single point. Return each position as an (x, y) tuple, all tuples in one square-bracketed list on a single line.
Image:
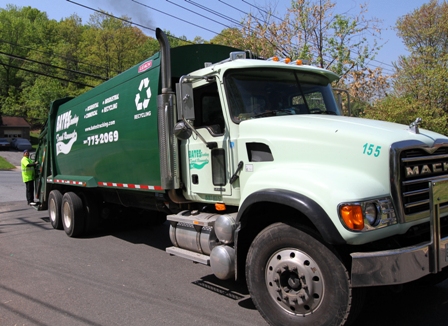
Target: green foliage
[(42, 60), (230, 37), (405, 110), (420, 86)]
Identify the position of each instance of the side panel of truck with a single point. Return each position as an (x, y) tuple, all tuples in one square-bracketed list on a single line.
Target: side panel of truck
[(110, 133)]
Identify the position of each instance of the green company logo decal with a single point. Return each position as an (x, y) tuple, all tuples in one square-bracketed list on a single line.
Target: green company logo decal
[(64, 139), (198, 159)]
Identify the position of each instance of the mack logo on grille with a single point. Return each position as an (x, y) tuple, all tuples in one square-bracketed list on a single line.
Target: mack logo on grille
[(426, 169)]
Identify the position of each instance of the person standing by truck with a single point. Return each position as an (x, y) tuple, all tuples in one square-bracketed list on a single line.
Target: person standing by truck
[(28, 176)]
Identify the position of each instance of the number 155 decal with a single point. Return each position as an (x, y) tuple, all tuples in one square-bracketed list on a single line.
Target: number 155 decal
[(370, 149)]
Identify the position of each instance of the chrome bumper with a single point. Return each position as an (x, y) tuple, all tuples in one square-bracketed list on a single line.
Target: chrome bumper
[(406, 264)]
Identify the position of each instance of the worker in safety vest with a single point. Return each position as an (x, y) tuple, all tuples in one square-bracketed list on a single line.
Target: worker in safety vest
[(28, 176)]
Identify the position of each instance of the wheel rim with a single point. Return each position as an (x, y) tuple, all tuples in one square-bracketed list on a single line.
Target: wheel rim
[(67, 215), (52, 208), (294, 281)]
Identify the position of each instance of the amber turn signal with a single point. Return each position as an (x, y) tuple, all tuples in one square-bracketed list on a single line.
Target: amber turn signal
[(220, 207), (352, 217)]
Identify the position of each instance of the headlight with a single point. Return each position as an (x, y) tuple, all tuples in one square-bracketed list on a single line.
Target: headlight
[(371, 214), (367, 215)]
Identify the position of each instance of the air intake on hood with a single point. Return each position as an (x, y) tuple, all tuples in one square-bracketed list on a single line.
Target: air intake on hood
[(259, 152)]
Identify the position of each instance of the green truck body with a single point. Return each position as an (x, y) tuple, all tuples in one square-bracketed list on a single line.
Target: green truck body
[(94, 136), (259, 175)]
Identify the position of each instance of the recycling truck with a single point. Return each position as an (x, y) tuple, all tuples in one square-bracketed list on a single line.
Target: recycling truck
[(258, 174)]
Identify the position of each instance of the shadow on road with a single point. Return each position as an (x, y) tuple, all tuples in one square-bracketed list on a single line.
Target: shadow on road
[(227, 288), (413, 306), (136, 230)]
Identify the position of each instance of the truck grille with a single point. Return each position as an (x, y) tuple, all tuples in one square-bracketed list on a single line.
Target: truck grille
[(417, 168)]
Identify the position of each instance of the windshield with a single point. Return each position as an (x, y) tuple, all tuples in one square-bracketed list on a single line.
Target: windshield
[(256, 93)]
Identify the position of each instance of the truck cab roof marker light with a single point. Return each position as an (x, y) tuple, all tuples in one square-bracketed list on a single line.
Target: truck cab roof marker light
[(275, 58), (233, 56), (237, 55), (288, 61), (299, 62)]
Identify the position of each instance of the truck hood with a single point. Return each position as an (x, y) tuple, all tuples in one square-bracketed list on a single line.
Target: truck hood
[(329, 149), (323, 126)]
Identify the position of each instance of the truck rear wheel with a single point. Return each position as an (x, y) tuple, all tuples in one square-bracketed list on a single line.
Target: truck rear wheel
[(294, 279), (73, 214), (54, 209)]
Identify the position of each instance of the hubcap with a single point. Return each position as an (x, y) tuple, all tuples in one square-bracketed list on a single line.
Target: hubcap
[(52, 208), (67, 215), (294, 281)]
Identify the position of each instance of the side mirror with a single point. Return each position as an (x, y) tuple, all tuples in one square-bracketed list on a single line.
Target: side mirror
[(185, 101), (182, 131)]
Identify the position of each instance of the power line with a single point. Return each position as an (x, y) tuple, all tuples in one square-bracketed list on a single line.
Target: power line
[(217, 13), (213, 12), (125, 20), (185, 21), (54, 54), (296, 44), (112, 16), (51, 66), (268, 13), (46, 75), (215, 21)]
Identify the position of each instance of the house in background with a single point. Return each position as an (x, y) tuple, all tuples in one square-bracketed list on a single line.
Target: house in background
[(14, 127)]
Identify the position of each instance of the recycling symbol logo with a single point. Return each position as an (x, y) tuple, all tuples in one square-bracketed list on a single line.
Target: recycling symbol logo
[(140, 103)]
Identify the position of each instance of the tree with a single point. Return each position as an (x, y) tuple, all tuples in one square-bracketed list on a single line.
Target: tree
[(311, 30), (42, 60), (112, 43), (21, 30), (231, 37), (421, 84), (15, 30)]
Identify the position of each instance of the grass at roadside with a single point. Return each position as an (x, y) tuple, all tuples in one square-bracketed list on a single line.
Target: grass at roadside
[(5, 165)]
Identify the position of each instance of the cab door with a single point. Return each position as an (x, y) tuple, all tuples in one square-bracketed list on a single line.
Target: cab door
[(206, 168)]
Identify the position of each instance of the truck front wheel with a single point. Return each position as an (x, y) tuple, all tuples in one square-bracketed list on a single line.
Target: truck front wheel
[(73, 212), (294, 279), (54, 209)]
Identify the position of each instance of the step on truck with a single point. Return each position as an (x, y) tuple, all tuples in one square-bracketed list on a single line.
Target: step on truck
[(259, 175)]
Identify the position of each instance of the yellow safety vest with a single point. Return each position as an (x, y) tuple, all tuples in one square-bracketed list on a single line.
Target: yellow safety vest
[(27, 172)]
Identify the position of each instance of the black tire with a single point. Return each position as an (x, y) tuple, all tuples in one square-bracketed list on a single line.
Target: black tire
[(73, 214), (54, 209), (92, 212), (294, 279)]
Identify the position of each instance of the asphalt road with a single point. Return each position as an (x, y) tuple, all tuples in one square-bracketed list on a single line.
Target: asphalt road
[(11, 185), (119, 276)]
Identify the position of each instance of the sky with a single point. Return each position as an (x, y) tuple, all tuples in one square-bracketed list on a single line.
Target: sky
[(206, 18)]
